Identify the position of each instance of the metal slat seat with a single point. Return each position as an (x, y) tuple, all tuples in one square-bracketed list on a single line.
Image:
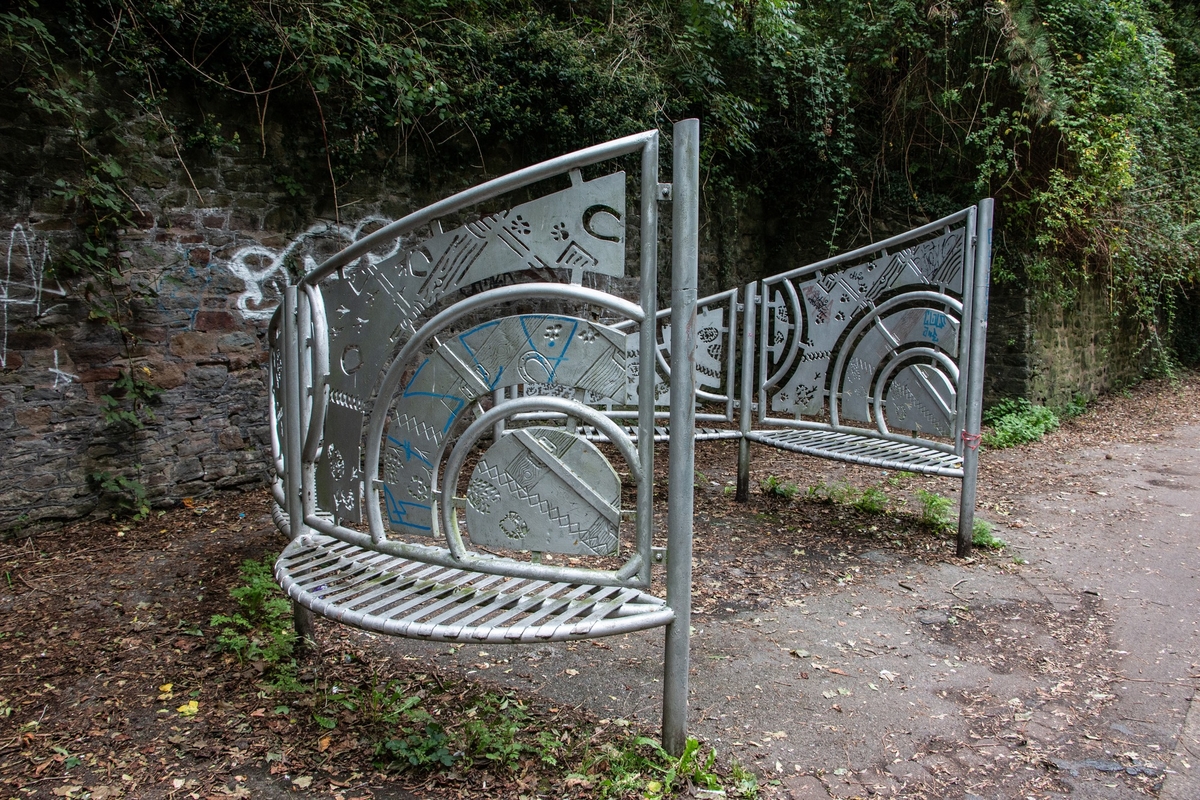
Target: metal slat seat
[(398, 596), (859, 449)]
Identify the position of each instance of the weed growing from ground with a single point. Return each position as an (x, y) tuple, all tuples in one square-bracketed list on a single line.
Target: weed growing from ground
[(426, 724), (983, 536), (871, 501), (775, 486), (935, 511), (1017, 421), (261, 630)]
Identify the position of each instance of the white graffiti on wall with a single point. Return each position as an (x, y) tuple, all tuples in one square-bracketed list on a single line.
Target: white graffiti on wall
[(23, 284), (264, 270), (61, 377)]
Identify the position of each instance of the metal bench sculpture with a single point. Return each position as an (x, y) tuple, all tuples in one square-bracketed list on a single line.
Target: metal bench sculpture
[(872, 357), (419, 507)]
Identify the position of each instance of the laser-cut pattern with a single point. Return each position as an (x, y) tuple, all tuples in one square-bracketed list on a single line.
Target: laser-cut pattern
[(548, 350), (370, 306), (874, 341)]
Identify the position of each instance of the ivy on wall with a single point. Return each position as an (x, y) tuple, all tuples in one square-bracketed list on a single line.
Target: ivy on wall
[(855, 119)]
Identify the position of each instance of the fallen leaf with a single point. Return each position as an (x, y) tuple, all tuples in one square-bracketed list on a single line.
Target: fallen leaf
[(303, 782), (836, 671), (572, 672), (323, 743), (189, 709)]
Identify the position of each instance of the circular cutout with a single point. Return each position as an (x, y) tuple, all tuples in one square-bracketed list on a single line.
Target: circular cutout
[(351, 359)]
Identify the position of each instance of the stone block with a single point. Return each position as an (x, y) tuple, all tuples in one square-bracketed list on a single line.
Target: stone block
[(35, 417), (191, 344), (42, 481), (166, 375), (231, 439), (194, 446), (207, 377), (209, 321), (187, 469)]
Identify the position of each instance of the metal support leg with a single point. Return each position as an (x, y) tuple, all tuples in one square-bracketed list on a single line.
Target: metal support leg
[(293, 485), (746, 404), (685, 241), (972, 423)]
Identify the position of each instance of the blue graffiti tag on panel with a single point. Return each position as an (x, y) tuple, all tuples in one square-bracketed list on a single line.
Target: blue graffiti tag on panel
[(398, 510), (455, 405), (410, 451), (934, 322), (545, 347)]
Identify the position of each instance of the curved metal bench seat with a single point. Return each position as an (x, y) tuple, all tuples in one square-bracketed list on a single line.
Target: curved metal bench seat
[(859, 449), (401, 597)]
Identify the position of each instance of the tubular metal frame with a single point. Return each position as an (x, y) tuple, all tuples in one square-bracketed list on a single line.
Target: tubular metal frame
[(373, 580)]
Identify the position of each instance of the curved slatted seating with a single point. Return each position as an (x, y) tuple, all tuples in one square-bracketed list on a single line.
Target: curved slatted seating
[(403, 597)]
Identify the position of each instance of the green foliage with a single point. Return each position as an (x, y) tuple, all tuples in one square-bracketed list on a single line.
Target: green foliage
[(774, 486), (129, 493), (935, 511), (1080, 116), (982, 535), (1017, 421), (871, 501), (422, 748), (261, 631)]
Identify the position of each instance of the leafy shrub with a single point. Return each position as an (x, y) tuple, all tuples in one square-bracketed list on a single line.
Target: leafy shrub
[(1017, 421)]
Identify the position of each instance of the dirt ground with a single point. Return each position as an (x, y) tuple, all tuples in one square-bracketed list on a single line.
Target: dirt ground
[(838, 652)]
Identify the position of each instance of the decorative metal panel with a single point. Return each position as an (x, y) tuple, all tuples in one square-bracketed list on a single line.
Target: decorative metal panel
[(545, 489), (550, 350), (874, 340), (372, 307)]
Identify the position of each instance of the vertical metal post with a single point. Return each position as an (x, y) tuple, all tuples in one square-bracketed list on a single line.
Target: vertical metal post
[(685, 232), (745, 412), (971, 425), (648, 344), (293, 441)]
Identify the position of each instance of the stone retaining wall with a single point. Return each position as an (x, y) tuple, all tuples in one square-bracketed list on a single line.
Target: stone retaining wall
[(210, 252)]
